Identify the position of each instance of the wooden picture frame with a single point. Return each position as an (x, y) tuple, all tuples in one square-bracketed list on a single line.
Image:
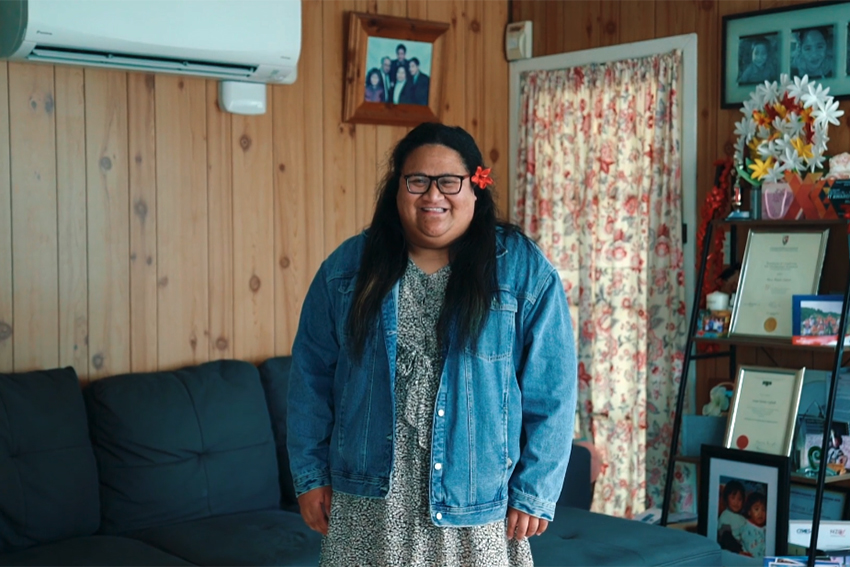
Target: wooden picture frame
[(777, 35), (761, 473), (419, 97)]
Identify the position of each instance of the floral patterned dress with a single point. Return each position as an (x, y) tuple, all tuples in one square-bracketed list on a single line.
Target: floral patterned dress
[(398, 530)]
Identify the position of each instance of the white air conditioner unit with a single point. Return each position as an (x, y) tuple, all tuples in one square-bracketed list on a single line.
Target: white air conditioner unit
[(257, 41)]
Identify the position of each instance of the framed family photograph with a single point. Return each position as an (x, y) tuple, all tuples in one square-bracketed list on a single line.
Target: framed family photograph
[(763, 411), (743, 501), (394, 70), (777, 265), (805, 39)]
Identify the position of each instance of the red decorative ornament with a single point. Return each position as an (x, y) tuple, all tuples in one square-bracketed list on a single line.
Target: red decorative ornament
[(482, 177), (714, 207)]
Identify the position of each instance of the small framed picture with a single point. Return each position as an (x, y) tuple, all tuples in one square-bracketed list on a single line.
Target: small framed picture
[(763, 413), (810, 434), (712, 324), (743, 500), (801, 503), (815, 319)]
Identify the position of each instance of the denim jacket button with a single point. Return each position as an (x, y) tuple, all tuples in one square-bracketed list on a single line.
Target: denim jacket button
[(439, 516), (510, 462), (441, 413), (438, 466)]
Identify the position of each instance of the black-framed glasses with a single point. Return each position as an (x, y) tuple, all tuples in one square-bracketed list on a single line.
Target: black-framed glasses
[(418, 183)]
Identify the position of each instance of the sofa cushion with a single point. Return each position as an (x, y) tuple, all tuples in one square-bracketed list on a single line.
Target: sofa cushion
[(182, 445), (48, 475), (93, 550), (269, 537), (577, 537), (275, 376)]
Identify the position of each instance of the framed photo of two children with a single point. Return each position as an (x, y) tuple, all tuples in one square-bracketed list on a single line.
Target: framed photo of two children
[(743, 500), (804, 39)]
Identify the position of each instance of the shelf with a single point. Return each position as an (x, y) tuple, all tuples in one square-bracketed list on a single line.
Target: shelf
[(783, 343), (778, 224), (841, 479), (686, 459)]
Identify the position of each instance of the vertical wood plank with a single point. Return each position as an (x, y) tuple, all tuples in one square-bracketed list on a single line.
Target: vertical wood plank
[(576, 25), (366, 140), (416, 9), (108, 206), (521, 10), (220, 226), (555, 12), (726, 118), (608, 22), (72, 220), (494, 137), (708, 95), (299, 220), (386, 136), (7, 358), (637, 21), (292, 216), (474, 88), (314, 137), (34, 210), (181, 224), (673, 17), (141, 125), (339, 137), (451, 11), (541, 27), (253, 236)]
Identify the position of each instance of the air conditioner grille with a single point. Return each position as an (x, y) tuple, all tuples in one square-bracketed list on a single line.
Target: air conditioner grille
[(50, 54)]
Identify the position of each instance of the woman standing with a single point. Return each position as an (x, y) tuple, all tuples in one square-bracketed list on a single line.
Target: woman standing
[(433, 386)]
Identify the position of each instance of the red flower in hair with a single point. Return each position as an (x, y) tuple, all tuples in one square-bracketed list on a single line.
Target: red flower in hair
[(482, 177)]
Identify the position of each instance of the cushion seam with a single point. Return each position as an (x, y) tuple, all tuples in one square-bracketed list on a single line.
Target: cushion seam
[(53, 449), (203, 441)]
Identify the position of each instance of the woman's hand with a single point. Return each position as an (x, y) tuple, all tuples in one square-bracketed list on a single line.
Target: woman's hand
[(316, 508), (522, 525)]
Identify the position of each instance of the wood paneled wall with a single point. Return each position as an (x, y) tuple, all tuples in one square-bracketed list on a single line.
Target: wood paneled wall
[(574, 25), (141, 228)]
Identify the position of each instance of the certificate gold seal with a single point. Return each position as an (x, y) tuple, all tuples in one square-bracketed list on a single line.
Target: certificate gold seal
[(770, 324)]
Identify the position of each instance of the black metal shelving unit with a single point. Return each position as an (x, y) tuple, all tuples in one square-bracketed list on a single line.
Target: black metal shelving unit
[(733, 343)]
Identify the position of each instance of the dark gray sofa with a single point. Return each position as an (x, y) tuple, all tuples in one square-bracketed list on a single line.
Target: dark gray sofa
[(189, 468)]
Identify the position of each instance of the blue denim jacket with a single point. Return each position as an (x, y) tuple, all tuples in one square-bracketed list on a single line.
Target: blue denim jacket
[(504, 412)]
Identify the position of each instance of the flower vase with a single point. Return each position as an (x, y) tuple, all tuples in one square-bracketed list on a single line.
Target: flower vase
[(776, 199)]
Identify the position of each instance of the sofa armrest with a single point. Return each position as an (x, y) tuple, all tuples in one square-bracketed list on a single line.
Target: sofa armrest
[(578, 488)]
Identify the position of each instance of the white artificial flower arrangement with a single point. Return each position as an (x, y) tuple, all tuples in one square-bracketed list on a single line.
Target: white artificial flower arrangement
[(784, 129)]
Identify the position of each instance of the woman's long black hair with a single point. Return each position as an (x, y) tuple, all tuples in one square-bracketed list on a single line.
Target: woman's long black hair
[(472, 256)]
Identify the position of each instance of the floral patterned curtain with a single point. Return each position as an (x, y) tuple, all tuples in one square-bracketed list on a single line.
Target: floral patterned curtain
[(599, 189)]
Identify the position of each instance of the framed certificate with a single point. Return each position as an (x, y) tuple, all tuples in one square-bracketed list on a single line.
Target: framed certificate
[(764, 410), (776, 266)]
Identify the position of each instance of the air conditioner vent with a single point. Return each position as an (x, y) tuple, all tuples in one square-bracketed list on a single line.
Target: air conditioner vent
[(50, 54)]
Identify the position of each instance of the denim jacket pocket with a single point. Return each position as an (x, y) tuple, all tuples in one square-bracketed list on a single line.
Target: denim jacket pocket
[(496, 341)]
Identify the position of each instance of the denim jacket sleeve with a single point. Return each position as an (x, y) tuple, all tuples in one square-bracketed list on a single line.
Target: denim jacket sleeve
[(310, 401), (548, 381)]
